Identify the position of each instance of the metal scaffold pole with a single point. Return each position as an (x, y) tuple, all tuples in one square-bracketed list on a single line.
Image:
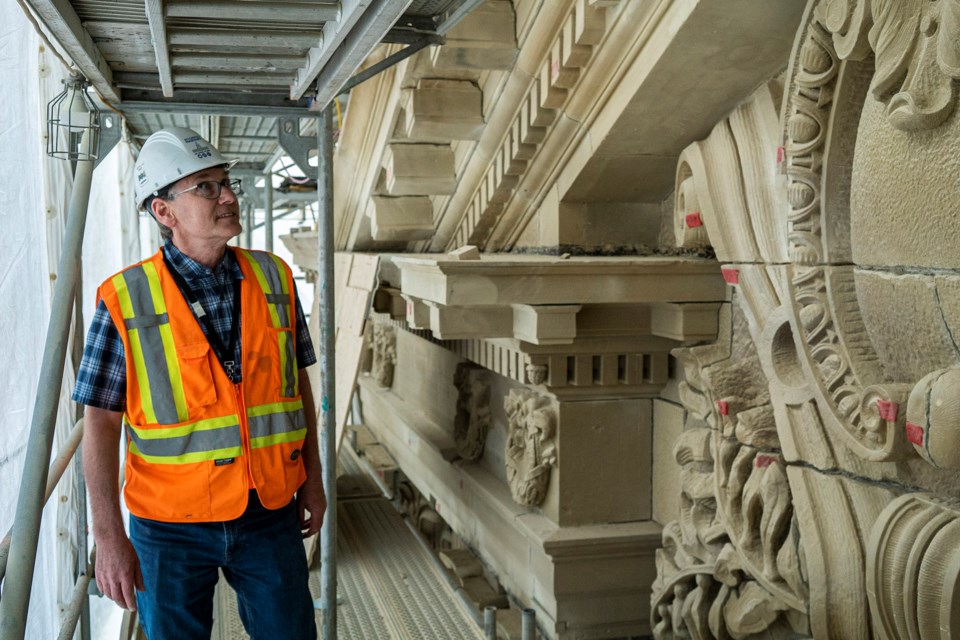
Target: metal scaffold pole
[(268, 208), (26, 528), (328, 404)]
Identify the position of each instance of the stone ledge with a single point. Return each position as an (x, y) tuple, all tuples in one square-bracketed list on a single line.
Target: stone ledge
[(592, 577)]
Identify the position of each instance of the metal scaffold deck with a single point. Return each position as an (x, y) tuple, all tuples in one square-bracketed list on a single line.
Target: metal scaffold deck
[(390, 588)]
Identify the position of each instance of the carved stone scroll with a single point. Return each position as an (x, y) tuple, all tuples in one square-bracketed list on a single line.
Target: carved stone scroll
[(531, 445), (913, 571), (472, 420)]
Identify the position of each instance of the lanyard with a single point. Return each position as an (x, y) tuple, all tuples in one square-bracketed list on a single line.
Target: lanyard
[(225, 353)]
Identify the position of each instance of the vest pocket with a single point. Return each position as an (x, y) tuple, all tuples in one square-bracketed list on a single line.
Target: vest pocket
[(196, 374)]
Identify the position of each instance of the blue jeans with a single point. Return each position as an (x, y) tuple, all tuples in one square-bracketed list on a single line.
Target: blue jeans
[(261, 555)]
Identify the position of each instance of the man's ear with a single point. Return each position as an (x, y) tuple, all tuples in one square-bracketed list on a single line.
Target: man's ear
[(163, 213)]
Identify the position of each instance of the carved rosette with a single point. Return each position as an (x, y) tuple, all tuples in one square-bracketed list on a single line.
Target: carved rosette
[(384, 358), (531, 445), (472, 421)]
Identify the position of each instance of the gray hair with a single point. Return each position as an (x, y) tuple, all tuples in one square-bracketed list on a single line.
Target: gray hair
[(166, 233)]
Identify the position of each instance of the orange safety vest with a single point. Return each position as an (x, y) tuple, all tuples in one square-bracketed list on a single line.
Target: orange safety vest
[(196, 440)]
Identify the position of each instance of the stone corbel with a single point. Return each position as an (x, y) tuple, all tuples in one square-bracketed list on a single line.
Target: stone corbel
[(418, 313), (401, 219), (685, 322), (545, 324)]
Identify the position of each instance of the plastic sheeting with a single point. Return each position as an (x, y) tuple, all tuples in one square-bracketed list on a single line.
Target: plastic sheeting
[(34, 195)]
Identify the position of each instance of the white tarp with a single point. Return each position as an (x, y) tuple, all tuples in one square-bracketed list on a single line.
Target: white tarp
[(34, 194)]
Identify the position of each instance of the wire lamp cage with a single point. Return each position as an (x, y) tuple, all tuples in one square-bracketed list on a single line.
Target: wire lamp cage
[(73, 123)]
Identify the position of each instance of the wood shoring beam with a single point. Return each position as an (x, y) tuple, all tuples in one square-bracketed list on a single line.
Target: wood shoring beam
[(334, 32), (63, 23), (260, 40), (134, 80), (240, 62), (158, 34), (252, 10)]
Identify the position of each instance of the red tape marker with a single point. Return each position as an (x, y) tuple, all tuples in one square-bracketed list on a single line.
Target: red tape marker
[(781, 154), (723, 407), (888, 410), (915, 434), (732, 276), (694, 220), (762, 461)]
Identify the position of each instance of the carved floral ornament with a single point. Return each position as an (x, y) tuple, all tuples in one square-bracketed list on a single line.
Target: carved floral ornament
[(917, 49), (384, 356), (472, 420), (531, 445)]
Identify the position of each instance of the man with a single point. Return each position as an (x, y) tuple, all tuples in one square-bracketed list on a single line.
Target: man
[(198, 356)]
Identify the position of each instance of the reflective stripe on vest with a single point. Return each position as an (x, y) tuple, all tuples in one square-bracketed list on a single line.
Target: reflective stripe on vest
[(276, 423), (211, 439), (154, 355), (271, 277)]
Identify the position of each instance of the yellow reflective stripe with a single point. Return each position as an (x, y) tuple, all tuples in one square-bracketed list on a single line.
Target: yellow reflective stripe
[(278, 438), (123, 296), (200, 456), (282, 338), (265, 287), (185, 429), (143, 381), (281, 273), (274, 407)]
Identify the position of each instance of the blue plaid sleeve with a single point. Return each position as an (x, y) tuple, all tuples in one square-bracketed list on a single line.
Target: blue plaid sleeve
[(102, 378), (305, 353)]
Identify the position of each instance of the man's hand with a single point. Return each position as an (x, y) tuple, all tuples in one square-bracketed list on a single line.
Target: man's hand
[(117, 567), (311, 505), (118, 572)]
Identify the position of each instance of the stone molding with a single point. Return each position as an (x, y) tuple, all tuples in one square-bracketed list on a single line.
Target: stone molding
[(567, 60)]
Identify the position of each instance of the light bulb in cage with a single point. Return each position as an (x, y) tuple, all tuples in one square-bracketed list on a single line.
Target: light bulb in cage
[(73, 123)]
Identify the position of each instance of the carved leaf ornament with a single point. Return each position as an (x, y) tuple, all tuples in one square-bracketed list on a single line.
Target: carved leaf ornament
[(917, 49)]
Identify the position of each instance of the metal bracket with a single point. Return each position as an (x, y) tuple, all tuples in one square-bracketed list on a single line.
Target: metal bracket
[(109, 136), (298, 147)]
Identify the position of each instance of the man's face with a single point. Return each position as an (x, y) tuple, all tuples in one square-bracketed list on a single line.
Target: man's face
[(194, 218)]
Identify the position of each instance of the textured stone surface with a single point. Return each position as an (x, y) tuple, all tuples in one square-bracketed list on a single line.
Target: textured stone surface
[(906, 326)]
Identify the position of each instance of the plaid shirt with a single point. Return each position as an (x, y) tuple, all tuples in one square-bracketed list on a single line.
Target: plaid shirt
[(102, 379)]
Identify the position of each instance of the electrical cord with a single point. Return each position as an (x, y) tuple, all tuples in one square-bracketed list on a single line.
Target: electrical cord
[(36, 27)]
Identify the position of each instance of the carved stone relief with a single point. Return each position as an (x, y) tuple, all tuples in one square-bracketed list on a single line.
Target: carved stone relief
[(731, 566), (917, 49), (803, 473), (531, 445), (384, 358), (472, 420)]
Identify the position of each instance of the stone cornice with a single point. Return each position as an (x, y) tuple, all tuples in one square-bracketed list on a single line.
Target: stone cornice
[(531, 280)]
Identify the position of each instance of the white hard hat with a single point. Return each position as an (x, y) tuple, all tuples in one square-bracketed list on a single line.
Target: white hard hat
[(170, 154)]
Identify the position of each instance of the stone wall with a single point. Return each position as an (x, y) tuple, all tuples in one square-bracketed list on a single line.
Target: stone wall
[(688, 364)]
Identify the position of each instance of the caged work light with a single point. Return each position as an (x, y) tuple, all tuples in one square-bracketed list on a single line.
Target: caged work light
[(73, 123)]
